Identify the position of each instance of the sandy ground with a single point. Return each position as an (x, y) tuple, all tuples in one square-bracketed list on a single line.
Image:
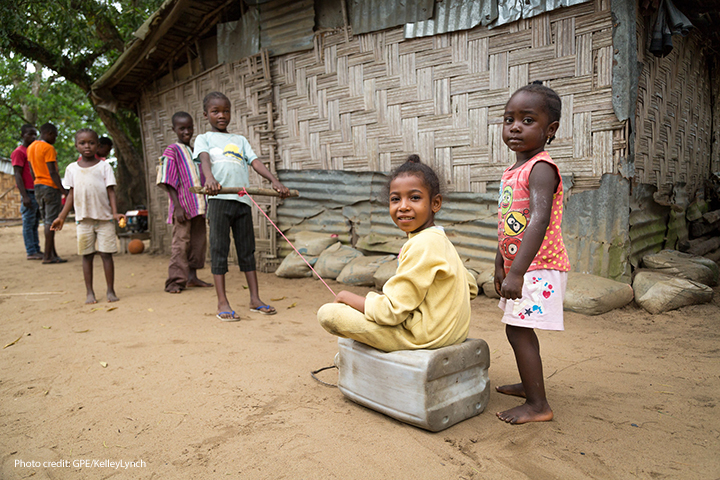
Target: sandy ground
[(156, 379)]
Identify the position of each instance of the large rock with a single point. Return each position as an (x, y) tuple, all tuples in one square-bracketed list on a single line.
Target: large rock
[(384, 273), (486, 282), (360, 270), (334, 258), (658, 292), (683, 265), (593, 295), (293, 266)]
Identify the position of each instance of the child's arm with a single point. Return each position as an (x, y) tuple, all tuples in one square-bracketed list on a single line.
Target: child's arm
[(212, 187), (113, 203), (262, 170), (499, 271), (348, 298), (179, 211), (58, 223), (543, 183)]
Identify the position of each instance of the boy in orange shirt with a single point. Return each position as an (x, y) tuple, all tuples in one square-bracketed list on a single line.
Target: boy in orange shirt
[(48, 186)]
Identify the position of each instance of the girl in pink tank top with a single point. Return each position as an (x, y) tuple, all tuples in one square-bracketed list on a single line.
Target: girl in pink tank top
[(531, 264)]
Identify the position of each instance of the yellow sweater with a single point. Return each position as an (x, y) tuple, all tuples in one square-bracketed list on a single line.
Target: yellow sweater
[(429, 295)]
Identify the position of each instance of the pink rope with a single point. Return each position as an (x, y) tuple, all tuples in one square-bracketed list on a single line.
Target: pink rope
[(244, 192)]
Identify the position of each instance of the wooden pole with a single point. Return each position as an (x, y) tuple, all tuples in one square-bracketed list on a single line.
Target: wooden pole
[(268, 192)]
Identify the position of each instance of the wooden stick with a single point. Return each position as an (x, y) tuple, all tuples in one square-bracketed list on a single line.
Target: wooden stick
[(268, 192)]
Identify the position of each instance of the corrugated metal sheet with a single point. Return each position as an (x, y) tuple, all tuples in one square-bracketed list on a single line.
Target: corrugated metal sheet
[(455, 15), (287, 25), (240, 39), (373, 15), (595, 229), (6, 166), (351, 205)]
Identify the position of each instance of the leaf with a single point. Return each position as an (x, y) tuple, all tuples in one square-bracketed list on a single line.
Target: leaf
[(13, 343), (46, 328), (103, 364), (96, 309), (111, 309), (81, 331), (150, 310), (294, 304), (277, 299), (245, 287)]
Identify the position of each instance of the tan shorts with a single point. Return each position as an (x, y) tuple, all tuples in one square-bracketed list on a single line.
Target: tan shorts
[(89, 230)]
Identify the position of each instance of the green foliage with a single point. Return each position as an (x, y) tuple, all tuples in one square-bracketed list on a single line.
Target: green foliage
[(28, 97)]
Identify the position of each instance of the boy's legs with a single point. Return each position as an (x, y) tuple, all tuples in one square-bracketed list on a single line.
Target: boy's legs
[(196, 253), (107, 245), (218, 215), (244, 235), (527, 355), (30, 228), (178, 266), (109, 267), (87, 262), (51, 200)]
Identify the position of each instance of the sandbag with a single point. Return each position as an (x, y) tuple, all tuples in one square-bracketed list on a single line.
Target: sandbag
[(384, 273), (486, 282), (593, 295), (334, 258), (683, 265), (360, 270), (313, 243), (658, 292), (293, 266)]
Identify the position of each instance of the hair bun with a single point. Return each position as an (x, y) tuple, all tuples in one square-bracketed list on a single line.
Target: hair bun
[(413, 159), (536, 82)]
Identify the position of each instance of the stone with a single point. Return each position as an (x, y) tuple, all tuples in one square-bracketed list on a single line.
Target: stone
[(658, 292)]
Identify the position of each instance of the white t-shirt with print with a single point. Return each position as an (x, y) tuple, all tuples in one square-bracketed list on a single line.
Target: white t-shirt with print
[(230, 157)]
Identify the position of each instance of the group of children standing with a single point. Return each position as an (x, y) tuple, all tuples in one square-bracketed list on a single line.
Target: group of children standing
[(426, 304)]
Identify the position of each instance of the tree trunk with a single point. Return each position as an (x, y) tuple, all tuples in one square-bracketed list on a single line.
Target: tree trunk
[(131, 190)]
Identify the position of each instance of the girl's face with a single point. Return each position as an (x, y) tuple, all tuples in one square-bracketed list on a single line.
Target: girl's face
[(218, 114), (86, 144), (411, 207), (526, 126)]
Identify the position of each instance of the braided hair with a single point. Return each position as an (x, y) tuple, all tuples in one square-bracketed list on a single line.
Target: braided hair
[(413, 166)]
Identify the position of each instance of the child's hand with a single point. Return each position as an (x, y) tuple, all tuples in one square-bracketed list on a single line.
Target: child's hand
[(511, 287), (351, 299), (499, 277), (281, 189), (179, 214), (57, 224), (120, 219), (212, 187)]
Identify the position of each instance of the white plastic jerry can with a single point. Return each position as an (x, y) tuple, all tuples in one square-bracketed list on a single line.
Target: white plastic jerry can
[(431, 389)]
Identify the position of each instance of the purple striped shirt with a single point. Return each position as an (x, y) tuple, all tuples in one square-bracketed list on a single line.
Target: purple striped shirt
[(178, 170)]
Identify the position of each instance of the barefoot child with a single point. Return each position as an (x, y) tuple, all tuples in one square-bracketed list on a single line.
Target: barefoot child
[(426, 304), (186, 212), (225, 159), (531, 264), (92, 193)]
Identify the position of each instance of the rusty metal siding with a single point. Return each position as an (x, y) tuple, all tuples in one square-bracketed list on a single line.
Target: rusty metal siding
[(374, 15), (648, 224), (240, 39), (286, 26)]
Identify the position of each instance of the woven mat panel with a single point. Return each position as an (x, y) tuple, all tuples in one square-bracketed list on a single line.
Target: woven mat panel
[(247, 84), (673, 114), (366, 103), (10, 198)]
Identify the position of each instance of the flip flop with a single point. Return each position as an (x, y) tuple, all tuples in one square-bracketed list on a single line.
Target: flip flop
[(35, 256), (233, 318), (264, 309), (55, 260)]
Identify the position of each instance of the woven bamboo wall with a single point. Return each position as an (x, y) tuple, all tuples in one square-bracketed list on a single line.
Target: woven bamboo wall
[(673, 115), (366, 103), (247, 85), (10, 199)]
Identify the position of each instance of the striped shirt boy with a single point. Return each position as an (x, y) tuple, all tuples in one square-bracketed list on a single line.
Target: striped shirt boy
[(178, 170)]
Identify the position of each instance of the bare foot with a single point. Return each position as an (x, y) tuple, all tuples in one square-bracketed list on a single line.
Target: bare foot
[(516, 390), (526, 413), (90, 298), (111, 296), (196, 282), (173, 289)]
